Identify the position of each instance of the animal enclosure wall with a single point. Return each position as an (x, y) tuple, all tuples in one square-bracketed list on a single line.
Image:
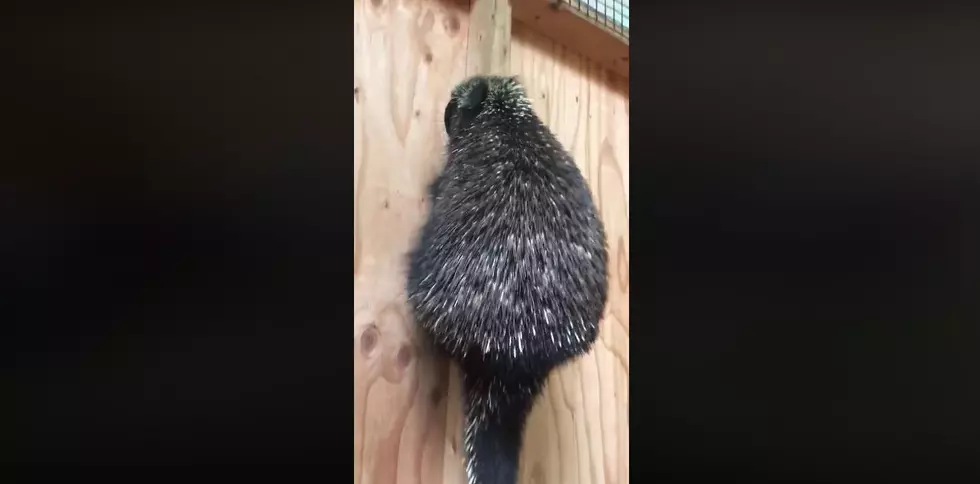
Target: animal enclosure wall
[(407, 57)]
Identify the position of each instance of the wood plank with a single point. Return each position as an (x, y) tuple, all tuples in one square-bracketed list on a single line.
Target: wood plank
[(563, 25), (407, 58), (488, 51)]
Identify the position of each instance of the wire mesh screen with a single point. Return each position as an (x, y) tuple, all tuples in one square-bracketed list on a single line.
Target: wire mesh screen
[(612, 15)]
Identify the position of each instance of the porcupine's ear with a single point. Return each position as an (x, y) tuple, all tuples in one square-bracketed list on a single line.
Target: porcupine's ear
[(450, 113), (465, 104), (476, 93)]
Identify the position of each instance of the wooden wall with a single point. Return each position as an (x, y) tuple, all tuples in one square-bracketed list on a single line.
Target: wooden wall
[(408, 54)]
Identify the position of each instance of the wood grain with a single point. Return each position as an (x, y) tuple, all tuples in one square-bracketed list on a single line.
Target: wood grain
[(407, 57), (408, 54), (488, 51)]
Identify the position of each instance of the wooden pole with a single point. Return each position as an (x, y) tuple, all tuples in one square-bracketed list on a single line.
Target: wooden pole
[(487, 53), (488, 50)]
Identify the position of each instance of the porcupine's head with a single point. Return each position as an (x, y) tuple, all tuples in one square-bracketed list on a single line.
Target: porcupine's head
[(484, 99)]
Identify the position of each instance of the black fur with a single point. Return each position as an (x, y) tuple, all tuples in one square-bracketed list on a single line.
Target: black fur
[(509, 274)]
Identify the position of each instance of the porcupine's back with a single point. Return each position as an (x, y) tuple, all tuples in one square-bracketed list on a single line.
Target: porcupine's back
[(510, 269), (509, 274)]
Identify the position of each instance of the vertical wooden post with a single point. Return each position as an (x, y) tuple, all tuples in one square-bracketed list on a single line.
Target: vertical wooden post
[(487, 53), (488, 50)]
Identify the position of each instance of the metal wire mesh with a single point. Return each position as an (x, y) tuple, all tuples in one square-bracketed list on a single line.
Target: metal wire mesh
[(611, 15)]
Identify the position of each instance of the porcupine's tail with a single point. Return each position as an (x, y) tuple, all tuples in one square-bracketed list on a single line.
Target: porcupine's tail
[(493, 432)]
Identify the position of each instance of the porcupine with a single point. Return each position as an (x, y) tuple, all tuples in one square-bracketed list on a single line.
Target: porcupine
[(508, 277)]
